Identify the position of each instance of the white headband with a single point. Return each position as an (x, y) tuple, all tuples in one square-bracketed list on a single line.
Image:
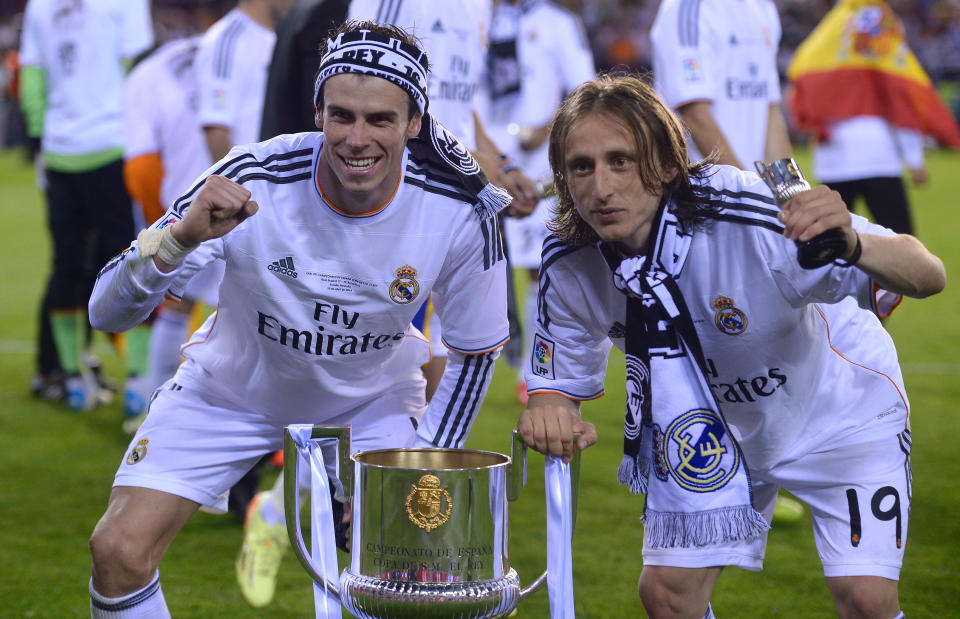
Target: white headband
[(370, 53)]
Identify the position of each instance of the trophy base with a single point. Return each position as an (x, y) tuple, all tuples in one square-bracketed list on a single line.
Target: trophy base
[(368, 597)]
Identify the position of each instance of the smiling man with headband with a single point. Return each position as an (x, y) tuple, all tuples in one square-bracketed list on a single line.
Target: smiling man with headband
[(332, 240)]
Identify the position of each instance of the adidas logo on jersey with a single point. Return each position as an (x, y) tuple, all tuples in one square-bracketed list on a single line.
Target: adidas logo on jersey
[(283, 266)]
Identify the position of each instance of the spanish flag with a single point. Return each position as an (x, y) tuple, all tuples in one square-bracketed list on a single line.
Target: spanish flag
[(856, 63)]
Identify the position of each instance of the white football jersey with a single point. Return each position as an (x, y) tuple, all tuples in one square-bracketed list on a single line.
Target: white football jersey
[(161, 115), (232, 70), (81, 47), (453, 33), (724, 52), (314, 302), (794, 359)]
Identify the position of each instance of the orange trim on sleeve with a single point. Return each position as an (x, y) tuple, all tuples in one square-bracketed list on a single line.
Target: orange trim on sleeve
[(143, 175), (602, 393), (876, 306), (216, 316), (475, 353)]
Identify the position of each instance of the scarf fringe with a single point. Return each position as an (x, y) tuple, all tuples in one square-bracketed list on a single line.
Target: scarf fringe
[(695, 529), (492, 201), (633, 473)]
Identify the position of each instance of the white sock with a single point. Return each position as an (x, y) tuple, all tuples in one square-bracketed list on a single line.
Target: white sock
[(709, 614), (168, 333), (271, 505), (900, 616), (147, 603)]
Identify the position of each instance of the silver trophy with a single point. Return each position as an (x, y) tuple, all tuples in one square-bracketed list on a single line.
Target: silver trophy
[(429, 529), (785, 180)]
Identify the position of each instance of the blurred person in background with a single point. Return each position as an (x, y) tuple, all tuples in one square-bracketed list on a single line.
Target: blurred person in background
[(231, 67), (74, 56), (858, 87)]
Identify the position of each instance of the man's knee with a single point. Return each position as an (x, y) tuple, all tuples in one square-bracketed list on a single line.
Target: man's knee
[(121, 563), (674, 593), (857, 597), (132, 536)]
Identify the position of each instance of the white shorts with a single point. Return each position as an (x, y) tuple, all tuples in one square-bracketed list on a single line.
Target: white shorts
[(197, 447), (859, 498), (525, 236)]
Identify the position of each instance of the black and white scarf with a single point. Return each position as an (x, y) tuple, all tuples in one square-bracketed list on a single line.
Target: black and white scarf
[(700, 491)]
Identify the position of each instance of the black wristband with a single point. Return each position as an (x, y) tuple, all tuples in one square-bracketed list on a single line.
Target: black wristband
[(857, 250)]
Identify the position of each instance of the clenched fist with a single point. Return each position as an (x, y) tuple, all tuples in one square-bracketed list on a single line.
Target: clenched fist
[(220, 207)]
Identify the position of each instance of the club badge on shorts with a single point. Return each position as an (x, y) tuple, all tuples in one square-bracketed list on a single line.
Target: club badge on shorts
[(429, 497), (405, 288), (139, 452), (728, 318)]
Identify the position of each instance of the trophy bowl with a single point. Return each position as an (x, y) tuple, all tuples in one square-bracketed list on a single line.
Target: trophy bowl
[(429, 530)]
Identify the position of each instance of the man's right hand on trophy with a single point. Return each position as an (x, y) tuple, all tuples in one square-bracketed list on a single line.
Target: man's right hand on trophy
[(550, 423), (220, 206)]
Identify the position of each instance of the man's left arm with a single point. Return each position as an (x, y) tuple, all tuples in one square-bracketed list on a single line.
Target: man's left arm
[(898, 263)]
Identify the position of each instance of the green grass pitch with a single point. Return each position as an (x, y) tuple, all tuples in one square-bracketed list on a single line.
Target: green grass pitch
[(56, 467)]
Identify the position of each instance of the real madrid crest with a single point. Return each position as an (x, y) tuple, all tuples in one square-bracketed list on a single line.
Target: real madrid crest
[(728, 318), (697, 452), (405, 288), (429, 497), (139, 452)]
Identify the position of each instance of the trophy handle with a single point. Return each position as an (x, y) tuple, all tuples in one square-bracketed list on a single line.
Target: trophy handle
[(517, 479), (291, 492)]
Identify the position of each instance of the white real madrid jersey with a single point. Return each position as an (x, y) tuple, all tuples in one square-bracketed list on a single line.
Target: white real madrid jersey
[(724, 52), (81, 47), (314, 303), (160, 113), (453, 33), (793, 360), (232, 70)]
